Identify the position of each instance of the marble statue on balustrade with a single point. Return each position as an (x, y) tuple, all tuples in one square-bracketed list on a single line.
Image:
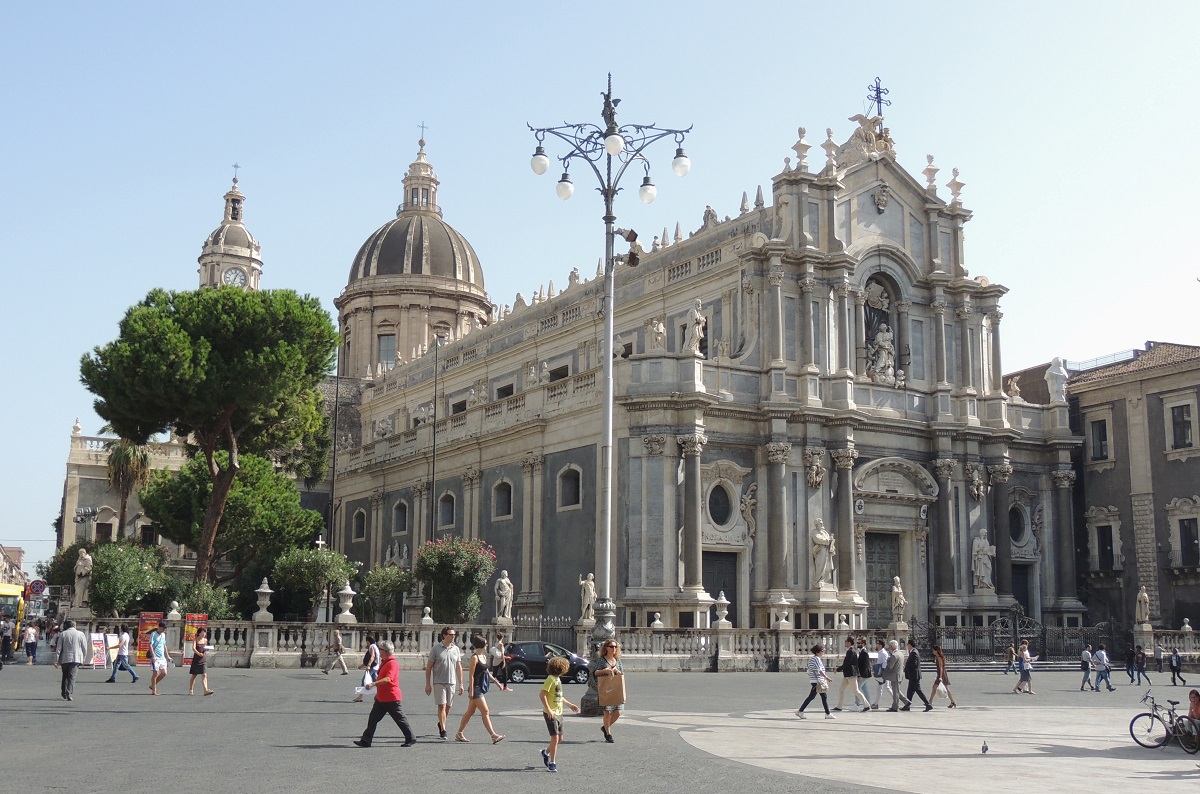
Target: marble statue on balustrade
[(83, 579), (899, 602), (1142, 611), (587, 597), (843, 623), (1056, 381), (504, 597), (881, 367), (697, 324), (982, 553), (1187, 625), (824, 549)]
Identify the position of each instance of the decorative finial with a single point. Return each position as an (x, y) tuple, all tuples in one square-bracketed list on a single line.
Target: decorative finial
[(758, 199), (678, 232), (956, 185), (745, 205), (665, 240), (801, 148), (875, 96), (235, 174), (421, 142), (930, 173), (830, 152)]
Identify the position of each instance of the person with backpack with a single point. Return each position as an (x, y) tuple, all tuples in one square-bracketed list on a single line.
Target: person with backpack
[(370, 666)]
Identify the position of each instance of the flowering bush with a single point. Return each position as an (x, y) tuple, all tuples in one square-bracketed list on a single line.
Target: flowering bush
[(452, 571)]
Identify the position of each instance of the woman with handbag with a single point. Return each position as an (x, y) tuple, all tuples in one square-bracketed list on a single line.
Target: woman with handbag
[(939, 662), (610, 684), (819, 680), (370, 664)]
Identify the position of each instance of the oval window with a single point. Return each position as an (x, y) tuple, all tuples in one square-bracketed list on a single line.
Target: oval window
[(1016, 525), (719, 505)]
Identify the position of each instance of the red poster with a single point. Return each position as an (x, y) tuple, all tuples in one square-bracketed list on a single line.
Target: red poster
[(99, 651), (192, 622), (146, 621)]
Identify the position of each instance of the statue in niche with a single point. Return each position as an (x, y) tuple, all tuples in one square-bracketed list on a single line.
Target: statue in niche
[(404, 556), (843, 623), (824, 548), (587, 597), (1056, 381), (882, 365), (658, 334), (899, 602), (504, 596), (1142, 610), (697, 323), (531, 376), (982, 553), (544, 376), (749, 505)]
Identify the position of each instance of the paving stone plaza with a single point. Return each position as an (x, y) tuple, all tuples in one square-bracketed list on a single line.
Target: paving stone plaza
[(292, 730)]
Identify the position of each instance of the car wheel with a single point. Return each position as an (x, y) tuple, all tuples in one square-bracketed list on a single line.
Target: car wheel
[(581, 675), (517, 675)]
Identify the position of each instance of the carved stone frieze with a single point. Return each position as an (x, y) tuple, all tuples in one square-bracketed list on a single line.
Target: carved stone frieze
[(654, 444), (975, 484), (860, 543), (921, 535), (814, 469)]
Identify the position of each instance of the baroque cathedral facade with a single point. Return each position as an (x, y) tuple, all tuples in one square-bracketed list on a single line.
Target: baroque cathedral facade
[(809, 403)]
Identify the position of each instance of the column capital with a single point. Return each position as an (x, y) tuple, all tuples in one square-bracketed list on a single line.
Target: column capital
[(421, 487), (777, 451), (995, 316), (963, 312), (692, 444), (377, 498), (532, 463), (471, 476), (860, 298), (1063, 479), (903, 306), (775, 276), (654, 444), (844, 458), (944, 468), (808, 284), (938, 306), (1000, 473), (843, 289)]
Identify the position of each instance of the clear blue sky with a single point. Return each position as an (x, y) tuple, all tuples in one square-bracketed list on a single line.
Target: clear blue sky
[(1074, 126)]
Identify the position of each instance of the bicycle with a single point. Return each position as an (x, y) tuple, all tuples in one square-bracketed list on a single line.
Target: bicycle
[(1156, 728)]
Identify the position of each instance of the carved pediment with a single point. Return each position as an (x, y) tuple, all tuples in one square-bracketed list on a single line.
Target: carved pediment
[(895, 478)]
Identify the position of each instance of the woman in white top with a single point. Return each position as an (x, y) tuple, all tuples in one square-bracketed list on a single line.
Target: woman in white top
[(819, 680), (371, 662)]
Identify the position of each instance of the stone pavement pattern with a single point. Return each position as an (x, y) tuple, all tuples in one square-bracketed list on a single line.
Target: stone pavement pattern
[(291, 730)]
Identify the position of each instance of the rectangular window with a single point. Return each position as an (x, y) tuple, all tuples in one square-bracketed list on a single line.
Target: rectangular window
[(386, 350), (1181, 426), (458, 407), (504, 391), (104, 532), (1104, 541), (1189, 541), (425, 196), (559, 373), (917, 348), (149, 536), (1100, 439), (415, 193)]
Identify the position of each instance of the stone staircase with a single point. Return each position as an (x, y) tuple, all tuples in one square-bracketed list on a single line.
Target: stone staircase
[(1060, 666)]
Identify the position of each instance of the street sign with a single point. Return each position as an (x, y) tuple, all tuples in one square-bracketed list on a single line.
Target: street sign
[(37, 586)]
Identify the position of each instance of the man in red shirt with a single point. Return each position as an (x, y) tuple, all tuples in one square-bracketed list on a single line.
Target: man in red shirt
[(387, 698)]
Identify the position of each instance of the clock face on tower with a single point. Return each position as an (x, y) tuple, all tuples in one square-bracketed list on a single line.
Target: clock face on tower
[(235, 277)]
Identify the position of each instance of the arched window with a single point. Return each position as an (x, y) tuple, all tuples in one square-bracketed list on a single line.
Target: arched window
[(360, 525), (502, 500), (446, 511), (570, 490), (400, 519)]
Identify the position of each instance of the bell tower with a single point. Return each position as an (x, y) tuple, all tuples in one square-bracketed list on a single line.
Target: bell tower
[(230, 255)]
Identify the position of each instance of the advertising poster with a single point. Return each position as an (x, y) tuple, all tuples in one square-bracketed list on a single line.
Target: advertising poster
[(99, 652), (112, 643), (192, 622), (146, 621)]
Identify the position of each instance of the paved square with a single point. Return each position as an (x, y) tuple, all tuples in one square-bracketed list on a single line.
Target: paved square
[(291, 730)]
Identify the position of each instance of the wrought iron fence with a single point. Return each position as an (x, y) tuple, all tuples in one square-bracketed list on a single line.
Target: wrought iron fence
[(558, 630)]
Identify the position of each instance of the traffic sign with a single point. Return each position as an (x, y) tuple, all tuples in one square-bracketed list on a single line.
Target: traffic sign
[(37, 586)]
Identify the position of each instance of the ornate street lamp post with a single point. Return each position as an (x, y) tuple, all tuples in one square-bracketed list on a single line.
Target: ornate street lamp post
[(603, 149)]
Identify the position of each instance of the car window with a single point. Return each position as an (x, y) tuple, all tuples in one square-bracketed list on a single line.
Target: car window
[(522, 649), (556, 650)]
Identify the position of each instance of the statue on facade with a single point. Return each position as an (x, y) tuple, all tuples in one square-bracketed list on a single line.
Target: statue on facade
[(1142, 612), (975, 484), (404, 556), (1056, 381), (531, 376), (1187, 625), (899, 602), (824, 547), (573, 279), (504, 596), (1014, 391), (749, 504), (83, 578), (710, 217), (544, 376), (587, 597), (697, 323), (982, 553), (882, 365), (658, 334), (843, 623)]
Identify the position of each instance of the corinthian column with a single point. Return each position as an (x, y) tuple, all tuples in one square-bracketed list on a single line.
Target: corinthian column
[(943, 572), (777, 458), (1001, 538), (775, 280), (693, 546), (843, 459), (997, 370), (1064, 534)]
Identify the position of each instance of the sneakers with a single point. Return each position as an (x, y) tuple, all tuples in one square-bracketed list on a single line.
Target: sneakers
[(929, 707), (552, 767), (907, 707), (546, 758), (866, 709), (875, 706), (134, 681), (800, 714), (326, 672), (830, 717), (442, 733), (837, 708)]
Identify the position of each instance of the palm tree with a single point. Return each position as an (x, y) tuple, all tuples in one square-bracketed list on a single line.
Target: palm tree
[(128, 471)]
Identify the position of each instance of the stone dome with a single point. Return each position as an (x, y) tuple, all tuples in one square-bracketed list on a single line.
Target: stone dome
[(417, 242), (231, 236)]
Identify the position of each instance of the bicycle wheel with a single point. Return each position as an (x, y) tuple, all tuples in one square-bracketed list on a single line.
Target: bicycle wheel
[(1190, 742), (1149, 731)]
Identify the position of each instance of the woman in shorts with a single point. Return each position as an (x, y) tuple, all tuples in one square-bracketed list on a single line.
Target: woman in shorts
[(480, 676)]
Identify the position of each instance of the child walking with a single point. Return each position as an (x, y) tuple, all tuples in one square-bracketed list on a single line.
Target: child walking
[(552, 706), (480, 675)]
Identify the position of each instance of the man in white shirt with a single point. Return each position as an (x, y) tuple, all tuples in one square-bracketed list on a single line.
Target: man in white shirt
[(881, 660), (122, 660), (1103, 668)]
